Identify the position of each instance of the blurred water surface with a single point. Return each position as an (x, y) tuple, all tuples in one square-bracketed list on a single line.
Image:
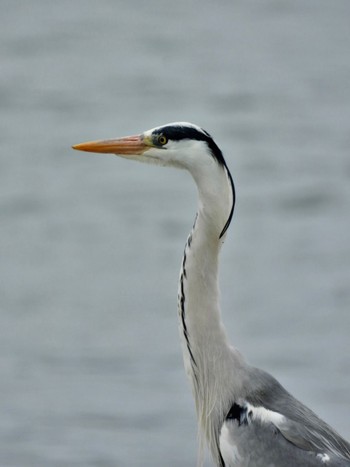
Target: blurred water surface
[(90, 365)]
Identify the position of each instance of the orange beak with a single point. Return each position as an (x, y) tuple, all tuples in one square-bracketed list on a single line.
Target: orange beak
[(130, 145)]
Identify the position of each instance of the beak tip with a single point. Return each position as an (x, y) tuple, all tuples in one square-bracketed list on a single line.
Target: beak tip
[(80, 147)]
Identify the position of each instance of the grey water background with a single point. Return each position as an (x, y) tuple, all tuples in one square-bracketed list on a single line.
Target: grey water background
[(90, 364)]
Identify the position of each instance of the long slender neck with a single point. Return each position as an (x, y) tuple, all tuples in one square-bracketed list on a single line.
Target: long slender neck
[(201, 261), (207, 354)]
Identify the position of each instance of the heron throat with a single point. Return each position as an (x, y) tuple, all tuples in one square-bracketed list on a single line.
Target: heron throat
[(204, 341)]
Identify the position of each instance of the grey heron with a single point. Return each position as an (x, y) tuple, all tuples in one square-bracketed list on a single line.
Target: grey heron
[(245, 415)]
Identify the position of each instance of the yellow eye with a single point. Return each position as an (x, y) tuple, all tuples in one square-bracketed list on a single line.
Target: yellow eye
[(162, 140)]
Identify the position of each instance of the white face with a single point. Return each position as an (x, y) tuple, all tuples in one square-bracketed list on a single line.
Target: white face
[(179, 144), (182, 154)]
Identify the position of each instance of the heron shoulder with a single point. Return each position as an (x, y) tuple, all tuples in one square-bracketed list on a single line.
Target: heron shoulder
[(270, 413)]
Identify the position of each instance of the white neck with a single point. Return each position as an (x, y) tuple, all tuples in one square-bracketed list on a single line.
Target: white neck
[(205, 346)]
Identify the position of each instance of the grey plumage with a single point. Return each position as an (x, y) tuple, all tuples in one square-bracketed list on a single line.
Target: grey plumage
[(299, 438)]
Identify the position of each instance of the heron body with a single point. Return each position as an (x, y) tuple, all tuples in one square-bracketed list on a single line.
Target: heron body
[(245, 416)]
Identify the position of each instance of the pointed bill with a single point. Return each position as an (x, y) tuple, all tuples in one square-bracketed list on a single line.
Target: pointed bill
[(130, 145)]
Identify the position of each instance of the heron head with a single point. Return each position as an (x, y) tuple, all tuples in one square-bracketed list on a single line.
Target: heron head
[(179, 144)]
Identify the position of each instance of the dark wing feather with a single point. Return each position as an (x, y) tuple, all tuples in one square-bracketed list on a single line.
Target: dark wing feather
[(302, 427)]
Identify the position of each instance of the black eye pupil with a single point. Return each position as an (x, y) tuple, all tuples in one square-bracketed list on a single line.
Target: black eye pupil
[(162, 139)]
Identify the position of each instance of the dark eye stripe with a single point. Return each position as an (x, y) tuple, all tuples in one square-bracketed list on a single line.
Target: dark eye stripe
[(179, 132)]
